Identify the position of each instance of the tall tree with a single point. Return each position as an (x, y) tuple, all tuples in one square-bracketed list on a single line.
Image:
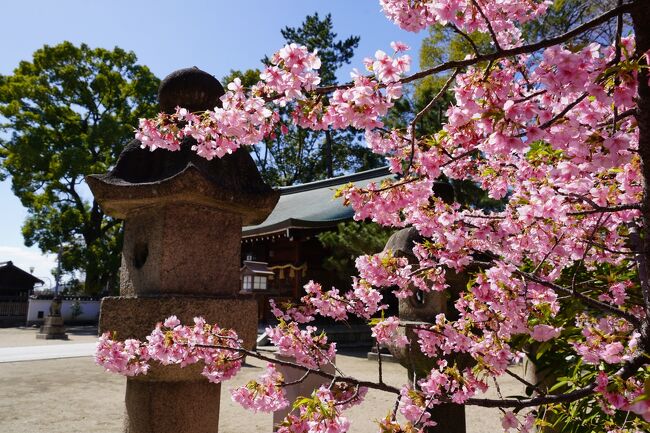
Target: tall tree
[(302, 155), (446, 43), (67, 113), (557, 129), (349, 241)]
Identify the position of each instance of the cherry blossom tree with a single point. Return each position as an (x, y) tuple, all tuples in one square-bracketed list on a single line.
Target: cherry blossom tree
[(559, 131)]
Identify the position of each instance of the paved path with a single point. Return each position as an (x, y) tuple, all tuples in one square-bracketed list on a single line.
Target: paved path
[(73, 394), (33, 353)]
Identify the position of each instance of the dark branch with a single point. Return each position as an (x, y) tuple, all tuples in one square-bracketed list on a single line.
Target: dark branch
[(469, 40), (606, 209), (339, 378), (626, 371), (425, 110), (489, 26), (523, 49), (537, 401), (602, 306), (508, 52)]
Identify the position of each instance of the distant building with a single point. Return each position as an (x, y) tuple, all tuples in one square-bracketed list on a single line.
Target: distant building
[(15, 287), (15, 282), (286, 241)]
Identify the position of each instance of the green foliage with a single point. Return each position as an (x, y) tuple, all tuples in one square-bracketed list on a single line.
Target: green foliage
[(248, 77), (301, 155), (442, 45), (559, 370), (68, 113), (564, 15), (76, 309), (318, 34), (349, 241)]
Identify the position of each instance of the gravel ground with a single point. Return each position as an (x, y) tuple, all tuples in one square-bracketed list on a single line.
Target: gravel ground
[(74, 395), (17, 337)]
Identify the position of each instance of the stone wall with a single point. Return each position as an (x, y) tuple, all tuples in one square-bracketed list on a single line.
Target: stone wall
[(41, 307)]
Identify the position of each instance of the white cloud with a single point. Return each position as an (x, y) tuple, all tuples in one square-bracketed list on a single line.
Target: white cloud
[(26, 258)]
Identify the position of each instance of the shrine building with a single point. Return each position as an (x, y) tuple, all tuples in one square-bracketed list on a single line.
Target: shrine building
[(280, 255)]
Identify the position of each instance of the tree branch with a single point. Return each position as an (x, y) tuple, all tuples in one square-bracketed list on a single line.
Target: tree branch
[(537, 401), (489, 26), (562, 113), (626, 371), (508, 52), (469, 40), (339, 378), (642, 266), (524, 381), (524, 49), (425, 110), (607, 209), (110, 225), (602, 306)]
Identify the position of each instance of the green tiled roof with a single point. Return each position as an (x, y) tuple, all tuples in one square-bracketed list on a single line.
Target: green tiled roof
[(312, 204)]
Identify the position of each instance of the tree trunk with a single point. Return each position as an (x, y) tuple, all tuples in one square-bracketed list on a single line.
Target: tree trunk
[(640, 19), (328, 153)]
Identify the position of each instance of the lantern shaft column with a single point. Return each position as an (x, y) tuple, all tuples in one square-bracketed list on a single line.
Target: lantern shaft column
[(171, 407), (183, 217), (181, 249)]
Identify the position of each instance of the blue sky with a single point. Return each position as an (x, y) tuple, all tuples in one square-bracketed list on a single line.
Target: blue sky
[(215, 36)]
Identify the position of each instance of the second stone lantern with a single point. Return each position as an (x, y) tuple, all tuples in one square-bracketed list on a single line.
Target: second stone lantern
[(183, 217)]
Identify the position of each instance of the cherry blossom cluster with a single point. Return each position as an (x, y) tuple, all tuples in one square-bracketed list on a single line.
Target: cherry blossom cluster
[(386, 333), (322, 411), (414, 404), (468, 15), (555, 185), (550, 137), (128, 358), (564, 164), (171, 343), (362, 301), (606, 339), (265, 395), (241, 119), (246, 119), (304, 345), (510, 421), (623, 395), (362, 104)]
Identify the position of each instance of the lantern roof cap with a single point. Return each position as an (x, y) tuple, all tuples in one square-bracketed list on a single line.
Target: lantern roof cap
[(143, 178)]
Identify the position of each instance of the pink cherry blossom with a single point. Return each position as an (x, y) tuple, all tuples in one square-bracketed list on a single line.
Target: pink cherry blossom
[(544, 332), (551, 134), (509, 421), (265, 395)]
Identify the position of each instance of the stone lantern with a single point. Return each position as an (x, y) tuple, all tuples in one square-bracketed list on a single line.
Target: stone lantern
[(419, 310), (183, 217)]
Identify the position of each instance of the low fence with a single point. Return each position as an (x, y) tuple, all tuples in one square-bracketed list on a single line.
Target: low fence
[(73, 310), (13, 310)]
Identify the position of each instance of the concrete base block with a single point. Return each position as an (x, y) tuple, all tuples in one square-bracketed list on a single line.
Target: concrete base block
[(52, 329), (137, 317), (171, 407), (450, 418), (304, 388), (59, 336)]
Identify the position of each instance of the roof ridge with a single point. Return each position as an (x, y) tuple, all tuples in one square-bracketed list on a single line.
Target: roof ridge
[(339, 180), (10, 263)]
